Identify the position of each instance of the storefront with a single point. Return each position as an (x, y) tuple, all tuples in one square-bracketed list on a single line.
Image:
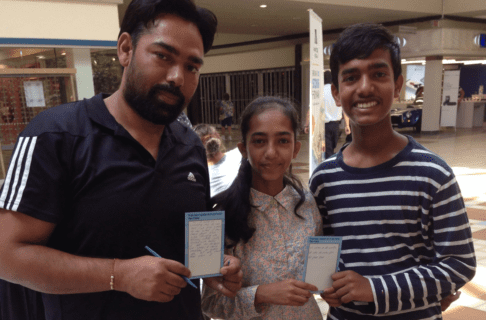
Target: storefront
[(73, 50)]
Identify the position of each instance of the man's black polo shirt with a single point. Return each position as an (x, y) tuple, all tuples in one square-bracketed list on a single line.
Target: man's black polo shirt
[(75, 166)]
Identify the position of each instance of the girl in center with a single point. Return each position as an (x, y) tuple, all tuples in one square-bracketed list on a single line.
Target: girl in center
[(269, 216)]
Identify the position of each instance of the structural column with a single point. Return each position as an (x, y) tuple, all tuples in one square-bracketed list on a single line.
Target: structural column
[(404, 86), (432, 94), (81, 61)]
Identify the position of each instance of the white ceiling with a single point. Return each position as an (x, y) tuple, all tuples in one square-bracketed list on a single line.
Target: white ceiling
[(287, 17), (283, 17)]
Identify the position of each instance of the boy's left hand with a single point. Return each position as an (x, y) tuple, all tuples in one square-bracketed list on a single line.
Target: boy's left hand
[(351, 286), (230, 283), (446, 302)]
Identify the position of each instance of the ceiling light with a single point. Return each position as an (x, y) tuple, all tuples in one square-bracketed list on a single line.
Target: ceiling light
[(401, 41), (328, 49), (447, 61), (413, 61), (263, 6), (41, 57), (474, 62)]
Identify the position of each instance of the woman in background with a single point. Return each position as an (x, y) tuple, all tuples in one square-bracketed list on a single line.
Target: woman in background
[(223, 166)]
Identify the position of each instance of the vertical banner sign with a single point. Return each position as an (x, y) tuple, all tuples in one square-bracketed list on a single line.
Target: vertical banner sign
[(316, 94), (450, 93)]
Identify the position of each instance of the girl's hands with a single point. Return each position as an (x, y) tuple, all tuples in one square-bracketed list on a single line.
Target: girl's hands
[(289, 292)]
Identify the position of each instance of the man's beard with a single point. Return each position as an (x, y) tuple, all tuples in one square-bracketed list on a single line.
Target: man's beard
[(149, 106)]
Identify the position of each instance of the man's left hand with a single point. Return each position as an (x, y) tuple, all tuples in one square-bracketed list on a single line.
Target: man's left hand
[(230, 283)]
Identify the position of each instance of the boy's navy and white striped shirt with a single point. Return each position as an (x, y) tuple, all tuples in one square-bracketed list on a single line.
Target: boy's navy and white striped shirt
[(404, 226)]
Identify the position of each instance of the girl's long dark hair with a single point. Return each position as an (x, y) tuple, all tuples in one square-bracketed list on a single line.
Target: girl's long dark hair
[(235, 201)]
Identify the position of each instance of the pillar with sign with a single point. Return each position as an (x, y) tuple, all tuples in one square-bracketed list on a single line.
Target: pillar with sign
[(316, 100)]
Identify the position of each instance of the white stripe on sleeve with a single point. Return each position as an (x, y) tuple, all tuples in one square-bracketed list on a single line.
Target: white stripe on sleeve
[(25, 175)]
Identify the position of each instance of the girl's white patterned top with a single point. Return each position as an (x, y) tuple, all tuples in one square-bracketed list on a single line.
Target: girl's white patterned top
[(276, 252)]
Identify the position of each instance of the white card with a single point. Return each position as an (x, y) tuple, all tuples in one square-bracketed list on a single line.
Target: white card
[(321, 261), (204, 243)]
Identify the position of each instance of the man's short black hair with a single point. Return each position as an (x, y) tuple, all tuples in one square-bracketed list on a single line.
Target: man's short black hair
[(358, 42), (141, 13)]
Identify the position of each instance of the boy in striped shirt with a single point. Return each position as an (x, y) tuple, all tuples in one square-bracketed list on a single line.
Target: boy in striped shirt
[(407, 243)]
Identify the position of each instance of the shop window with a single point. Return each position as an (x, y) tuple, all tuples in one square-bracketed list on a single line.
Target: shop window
[(107, 71), (243, 88), (32, 58), (24, 97)]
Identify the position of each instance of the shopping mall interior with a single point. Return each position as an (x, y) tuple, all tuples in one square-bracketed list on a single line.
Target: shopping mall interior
[(58, 51)]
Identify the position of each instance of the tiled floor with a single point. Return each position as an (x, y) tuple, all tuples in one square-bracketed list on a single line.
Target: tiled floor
[(465, 151)]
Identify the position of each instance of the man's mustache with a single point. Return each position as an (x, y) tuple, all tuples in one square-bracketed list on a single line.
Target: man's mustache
[(156, 89)]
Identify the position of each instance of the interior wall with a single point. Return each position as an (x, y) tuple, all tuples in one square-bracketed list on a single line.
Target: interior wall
[(229, 38), (59, 20), (263, 59), (443, 41)]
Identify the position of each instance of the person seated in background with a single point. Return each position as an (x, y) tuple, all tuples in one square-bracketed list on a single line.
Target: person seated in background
[(460, 96), (223, 167), (419, 95)]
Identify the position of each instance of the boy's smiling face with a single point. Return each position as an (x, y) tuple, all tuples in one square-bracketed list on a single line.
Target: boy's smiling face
[(367, 88)]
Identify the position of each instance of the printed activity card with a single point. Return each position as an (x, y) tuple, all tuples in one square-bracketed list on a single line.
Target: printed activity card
[(204, 243), (321, 261)]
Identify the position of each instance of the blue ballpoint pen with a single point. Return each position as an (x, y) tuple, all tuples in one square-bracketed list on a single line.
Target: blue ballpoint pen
[(158, 256)]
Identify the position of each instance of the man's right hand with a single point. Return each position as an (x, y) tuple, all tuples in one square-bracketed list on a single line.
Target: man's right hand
[(25, 260), (150, 278)]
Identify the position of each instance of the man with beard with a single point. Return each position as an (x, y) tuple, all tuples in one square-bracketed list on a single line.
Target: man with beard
[(91, 183)]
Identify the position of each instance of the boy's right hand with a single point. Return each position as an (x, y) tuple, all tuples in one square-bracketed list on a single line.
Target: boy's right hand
[(329, 295), (289, 292), (351, 286)]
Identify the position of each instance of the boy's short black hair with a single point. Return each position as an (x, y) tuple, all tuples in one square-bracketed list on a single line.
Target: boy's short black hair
[(358, 42), (141, 13), (327, 77)]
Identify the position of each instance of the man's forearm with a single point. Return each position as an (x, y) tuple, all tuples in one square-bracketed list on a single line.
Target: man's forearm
[(52, 271)]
